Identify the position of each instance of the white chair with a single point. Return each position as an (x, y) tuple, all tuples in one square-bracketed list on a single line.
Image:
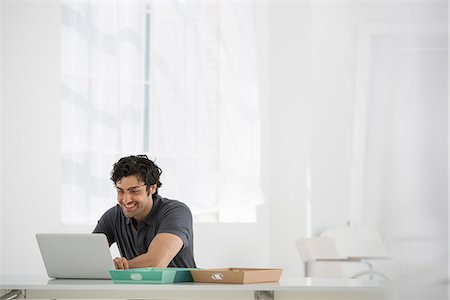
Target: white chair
[(321, 259), (364, 245), (347, 252)]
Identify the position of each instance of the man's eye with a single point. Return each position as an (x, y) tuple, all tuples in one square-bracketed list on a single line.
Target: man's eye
[(120, 192), (136, 191)]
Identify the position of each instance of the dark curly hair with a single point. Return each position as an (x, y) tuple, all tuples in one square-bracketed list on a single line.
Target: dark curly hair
[(142, 167)]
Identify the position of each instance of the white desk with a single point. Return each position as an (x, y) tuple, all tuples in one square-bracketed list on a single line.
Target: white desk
[(287, 288)]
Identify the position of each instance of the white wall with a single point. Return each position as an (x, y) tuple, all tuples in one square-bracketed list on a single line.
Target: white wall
[(30, 130), (1, 143), (308, 83), (323, 70), (289, 67), (31, 152)]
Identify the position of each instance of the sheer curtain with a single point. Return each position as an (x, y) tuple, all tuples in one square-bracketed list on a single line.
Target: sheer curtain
[(177, 81)]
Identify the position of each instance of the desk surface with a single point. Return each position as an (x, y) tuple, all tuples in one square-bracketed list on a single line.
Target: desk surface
[(43, 282), (41, 287)]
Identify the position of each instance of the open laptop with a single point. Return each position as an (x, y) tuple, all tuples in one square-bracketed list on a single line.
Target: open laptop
[(75, 255)]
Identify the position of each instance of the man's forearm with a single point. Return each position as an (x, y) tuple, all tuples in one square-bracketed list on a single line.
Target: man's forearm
[(146, 260)]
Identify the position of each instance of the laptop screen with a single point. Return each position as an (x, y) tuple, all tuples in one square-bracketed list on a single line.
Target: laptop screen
[(75, 255)]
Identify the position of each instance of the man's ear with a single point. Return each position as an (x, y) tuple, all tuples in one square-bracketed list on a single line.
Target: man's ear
[(152, 189)]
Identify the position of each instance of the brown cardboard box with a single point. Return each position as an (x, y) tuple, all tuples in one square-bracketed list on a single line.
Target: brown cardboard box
[(236, 275)]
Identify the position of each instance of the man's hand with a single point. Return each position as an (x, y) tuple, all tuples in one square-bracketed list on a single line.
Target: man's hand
[(161, 251), (121, 263)]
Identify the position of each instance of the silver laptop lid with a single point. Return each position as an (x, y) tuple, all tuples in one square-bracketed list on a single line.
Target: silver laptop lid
[(75, 255)]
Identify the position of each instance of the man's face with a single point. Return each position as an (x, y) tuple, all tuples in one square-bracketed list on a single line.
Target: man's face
[(133, 197)]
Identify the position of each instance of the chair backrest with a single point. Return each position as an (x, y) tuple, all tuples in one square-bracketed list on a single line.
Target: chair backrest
[(315, 248), (357, 242)]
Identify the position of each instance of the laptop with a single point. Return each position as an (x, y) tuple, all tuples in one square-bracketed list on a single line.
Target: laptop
[(75, 255)]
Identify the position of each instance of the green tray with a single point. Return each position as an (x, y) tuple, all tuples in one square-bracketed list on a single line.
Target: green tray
[(152, 275)]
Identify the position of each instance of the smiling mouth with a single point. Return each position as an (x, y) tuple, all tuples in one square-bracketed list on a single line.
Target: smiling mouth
[(129, 207)]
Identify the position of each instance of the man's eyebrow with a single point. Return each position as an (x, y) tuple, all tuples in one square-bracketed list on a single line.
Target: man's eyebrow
[(130, 188)]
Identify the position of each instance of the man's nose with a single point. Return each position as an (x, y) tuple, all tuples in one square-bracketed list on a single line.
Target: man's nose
[(126, 197)]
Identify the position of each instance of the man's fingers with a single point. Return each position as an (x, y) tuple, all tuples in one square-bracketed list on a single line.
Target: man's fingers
[(117, 263), (125, 263), (120, 263)]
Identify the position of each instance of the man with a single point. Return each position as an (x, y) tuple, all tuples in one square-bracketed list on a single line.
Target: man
[(150, 231)]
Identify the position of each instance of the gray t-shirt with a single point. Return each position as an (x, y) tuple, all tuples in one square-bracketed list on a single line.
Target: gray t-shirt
[(166, 216)]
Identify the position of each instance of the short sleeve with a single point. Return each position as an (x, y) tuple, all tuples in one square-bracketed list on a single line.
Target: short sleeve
[(177, 219), (105, 225)]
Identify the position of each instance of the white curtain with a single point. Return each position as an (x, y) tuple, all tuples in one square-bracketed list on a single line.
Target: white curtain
[(197, 107)]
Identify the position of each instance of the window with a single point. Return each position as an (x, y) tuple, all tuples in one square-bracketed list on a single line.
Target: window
[(175, 81)]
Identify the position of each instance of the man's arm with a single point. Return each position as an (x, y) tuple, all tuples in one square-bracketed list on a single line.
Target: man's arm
[(163, 248)]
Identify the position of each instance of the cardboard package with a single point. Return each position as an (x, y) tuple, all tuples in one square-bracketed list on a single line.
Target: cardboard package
[(236, 275)]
